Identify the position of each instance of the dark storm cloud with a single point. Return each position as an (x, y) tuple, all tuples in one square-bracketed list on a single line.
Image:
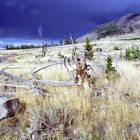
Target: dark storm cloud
[(58, 18), (11, 3)]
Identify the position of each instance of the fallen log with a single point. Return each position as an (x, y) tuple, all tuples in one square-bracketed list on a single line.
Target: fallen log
[(56, 82), (8, 93), (59, 63), (12, 76), (33, 84), (14, 86), (30, 83)]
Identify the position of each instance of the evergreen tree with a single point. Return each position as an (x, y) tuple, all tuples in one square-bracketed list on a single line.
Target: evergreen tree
[(88, 49), (109, 69)]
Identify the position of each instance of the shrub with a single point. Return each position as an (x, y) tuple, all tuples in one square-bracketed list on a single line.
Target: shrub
[(116, 48), (132, 53), (111, 72), (89, 50), (99, 50), (136, 53), (51, 122), (61, 56), (128, 54)]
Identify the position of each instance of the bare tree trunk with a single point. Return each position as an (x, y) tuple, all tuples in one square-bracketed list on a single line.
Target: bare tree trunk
[(44, 46), (44, 50)]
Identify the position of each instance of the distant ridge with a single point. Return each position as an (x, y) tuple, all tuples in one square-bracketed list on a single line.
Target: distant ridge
[(127, 24)]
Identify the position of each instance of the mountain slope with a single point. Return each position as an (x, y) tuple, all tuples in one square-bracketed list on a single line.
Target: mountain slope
[(127, 24)]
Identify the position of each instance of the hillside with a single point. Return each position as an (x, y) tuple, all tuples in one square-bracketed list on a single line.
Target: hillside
[(127, 24)]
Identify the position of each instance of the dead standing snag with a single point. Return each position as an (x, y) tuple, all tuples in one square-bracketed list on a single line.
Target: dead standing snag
[(44, 45), (82, 68), (82, 74)]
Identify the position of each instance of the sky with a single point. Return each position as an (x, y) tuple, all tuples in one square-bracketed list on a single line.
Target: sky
[(21, 19)]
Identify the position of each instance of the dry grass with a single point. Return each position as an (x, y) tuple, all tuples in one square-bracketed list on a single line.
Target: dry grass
[(108, 116)]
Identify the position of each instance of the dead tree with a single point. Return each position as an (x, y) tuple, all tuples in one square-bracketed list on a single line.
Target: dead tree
[(82, 68), (82, 73), (44, 45), (44, 50)]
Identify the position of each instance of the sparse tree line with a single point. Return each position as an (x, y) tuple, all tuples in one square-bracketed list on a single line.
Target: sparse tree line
[(61, 42), (12, 47)]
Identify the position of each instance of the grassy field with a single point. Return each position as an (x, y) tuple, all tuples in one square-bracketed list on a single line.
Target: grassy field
[(72, 112)]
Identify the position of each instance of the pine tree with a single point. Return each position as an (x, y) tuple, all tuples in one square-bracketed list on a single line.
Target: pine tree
[(89, 51), (109, 69)]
